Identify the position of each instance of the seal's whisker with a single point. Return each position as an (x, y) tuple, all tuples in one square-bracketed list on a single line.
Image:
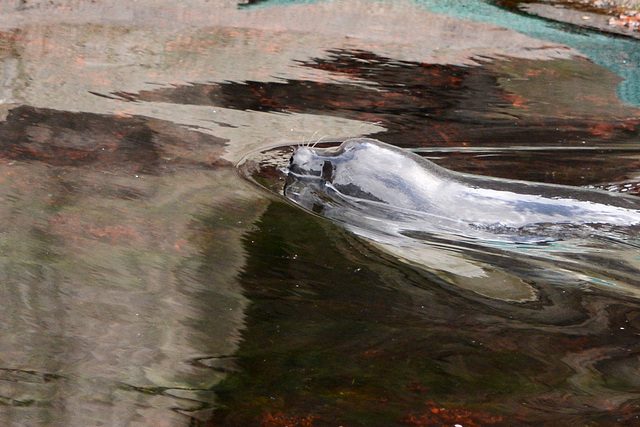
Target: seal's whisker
[(316, 143), (311, 139)]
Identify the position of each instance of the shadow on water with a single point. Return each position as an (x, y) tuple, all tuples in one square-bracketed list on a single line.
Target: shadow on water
[(61, 138)]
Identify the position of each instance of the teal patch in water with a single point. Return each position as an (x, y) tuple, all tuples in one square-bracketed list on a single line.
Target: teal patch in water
[(617, 54)]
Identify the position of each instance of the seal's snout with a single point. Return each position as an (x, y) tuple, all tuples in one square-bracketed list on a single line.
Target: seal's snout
[(304, 162)]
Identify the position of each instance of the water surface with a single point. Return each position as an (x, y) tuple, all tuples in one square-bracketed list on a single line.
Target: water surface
[(146, 280)]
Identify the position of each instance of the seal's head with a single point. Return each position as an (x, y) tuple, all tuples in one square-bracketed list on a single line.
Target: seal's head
[(323, 163), (307, 163)]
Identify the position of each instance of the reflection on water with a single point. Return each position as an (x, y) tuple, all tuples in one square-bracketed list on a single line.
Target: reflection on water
[(597, 47), (116, 269), (463, 108), (144, 281)]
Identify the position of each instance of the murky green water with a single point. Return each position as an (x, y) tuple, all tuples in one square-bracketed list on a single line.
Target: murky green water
[(146, 280)]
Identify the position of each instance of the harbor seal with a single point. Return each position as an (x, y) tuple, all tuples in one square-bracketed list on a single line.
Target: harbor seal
[(376, 185)]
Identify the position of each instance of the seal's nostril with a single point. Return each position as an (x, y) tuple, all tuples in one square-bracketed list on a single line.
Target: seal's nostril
[(327, 171)]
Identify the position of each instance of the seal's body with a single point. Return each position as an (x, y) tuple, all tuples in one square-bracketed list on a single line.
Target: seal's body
[(371, 176)]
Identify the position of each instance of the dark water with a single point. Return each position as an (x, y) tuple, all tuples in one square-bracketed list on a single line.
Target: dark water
[(148, 281), (338, 331)]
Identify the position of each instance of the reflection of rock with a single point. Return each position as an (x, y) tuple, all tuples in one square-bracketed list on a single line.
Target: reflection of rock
[(509, 119), (111, 59), (118, 267), (401, 28), (595, 101), (605, 378), (582, 18)]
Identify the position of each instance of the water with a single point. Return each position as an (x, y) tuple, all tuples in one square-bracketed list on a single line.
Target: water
[(154, 273), (597, 47)]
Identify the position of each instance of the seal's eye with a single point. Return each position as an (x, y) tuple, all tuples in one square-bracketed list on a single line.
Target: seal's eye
[(327, 171)]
